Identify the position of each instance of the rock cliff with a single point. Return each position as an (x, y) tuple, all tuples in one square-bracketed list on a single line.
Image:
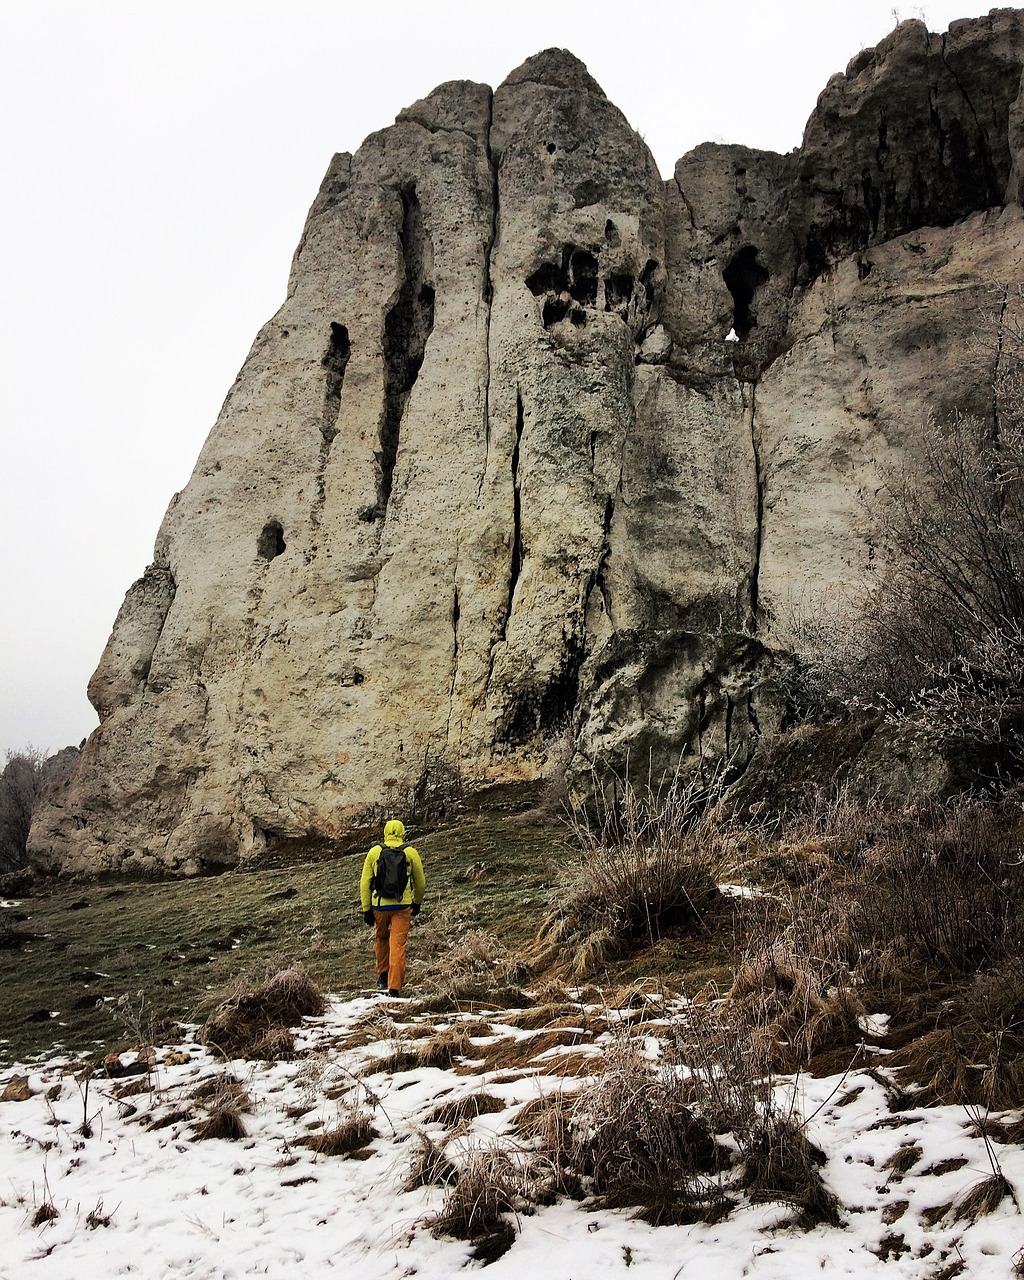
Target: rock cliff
[(541, 445)]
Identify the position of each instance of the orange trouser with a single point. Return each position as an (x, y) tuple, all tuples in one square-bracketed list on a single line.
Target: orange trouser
[(389, 942)]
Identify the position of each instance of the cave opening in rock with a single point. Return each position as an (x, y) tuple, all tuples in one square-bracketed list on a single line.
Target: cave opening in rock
[(271, 541), (743, 276)]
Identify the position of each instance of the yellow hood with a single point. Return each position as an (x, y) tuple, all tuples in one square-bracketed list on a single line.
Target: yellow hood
[(394, 832)]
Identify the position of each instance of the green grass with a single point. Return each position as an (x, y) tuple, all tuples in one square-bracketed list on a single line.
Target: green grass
[(185, 943)]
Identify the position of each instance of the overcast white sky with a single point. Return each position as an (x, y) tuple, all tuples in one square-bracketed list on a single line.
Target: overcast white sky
[(158, 161)]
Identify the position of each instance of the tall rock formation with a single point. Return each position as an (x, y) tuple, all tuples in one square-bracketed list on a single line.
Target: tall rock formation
[(496, 473)]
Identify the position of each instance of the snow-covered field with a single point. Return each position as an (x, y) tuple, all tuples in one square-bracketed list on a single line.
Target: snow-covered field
[(137, 1200)]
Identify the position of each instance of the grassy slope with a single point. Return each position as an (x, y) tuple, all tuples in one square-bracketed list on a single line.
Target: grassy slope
[(184, 943)]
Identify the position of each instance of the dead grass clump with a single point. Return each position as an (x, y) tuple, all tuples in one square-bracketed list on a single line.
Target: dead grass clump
[(460, 1110), (225, 1099), (791, 1012), (253, 1023), (224, 1122), (352, 1134), (545, 1015), (982, 1199), (46, 1212), (491, 1185), (430, 1167), (903, 1160), (442, 1049), (779, 1163), (943, 890), (633, 1140), (650, 866), (470, 967)]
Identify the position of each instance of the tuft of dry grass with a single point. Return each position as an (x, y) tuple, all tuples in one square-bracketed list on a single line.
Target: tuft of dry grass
[(461, 1110), (903, 1160), (254, 1022), (470, 967), (444, 1047), (46, 1212), (491, 1186), (224, 1099), (650, 866), (638, 1144), (352, 1134), (779, 1163), (430, 1167), (983, 1198)]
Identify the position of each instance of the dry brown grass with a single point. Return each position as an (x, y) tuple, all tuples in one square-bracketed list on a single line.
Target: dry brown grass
[(983, 1198), (780, 1164), (461, 1110), (430, 1166), (903, 1160), (352, 1134), (651, 866), (469, 967), (254, 1022), (224, 1099), (491, 1186), (634, 1140), (783, 995)]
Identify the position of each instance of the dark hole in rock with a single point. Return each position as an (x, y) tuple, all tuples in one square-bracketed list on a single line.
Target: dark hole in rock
[(548, 278), (583, 277), (334, 362), (271, 541), (743, 277), (611, 234), (358, 677), (551, 148), (618, 289), (647, 279), (554, 310), (577, 318)]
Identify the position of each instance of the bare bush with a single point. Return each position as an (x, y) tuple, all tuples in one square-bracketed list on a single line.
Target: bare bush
[(941, 890)]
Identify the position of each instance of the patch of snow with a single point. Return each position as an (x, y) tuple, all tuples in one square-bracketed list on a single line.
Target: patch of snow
[(265, 1205)]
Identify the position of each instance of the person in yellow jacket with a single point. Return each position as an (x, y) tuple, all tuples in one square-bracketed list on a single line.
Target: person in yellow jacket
[(391, 894)]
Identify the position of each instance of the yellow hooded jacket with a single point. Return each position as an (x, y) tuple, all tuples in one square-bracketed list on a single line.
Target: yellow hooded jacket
[(394, 835)]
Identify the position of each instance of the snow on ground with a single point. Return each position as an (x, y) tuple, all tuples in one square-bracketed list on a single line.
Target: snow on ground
[(155, 1201)]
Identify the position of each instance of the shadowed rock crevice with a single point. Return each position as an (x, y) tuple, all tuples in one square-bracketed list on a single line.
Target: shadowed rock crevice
[(335, 361), (743, 276), (407, 326), (516, 561)]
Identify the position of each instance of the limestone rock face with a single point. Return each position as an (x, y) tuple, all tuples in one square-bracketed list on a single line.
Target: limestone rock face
[(540, 445)]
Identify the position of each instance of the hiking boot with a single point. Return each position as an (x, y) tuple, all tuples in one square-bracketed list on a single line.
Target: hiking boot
[(382, 981), (393, 992)]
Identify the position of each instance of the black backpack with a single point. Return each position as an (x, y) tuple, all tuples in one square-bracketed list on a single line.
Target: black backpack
[(392, 873)]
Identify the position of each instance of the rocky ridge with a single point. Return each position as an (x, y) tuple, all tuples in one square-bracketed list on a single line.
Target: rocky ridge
[(497, 482)]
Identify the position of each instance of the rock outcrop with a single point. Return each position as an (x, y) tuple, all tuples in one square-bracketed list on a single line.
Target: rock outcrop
[(497, 472)]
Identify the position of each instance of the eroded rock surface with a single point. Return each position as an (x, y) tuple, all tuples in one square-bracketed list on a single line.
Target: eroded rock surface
[(496, 473)]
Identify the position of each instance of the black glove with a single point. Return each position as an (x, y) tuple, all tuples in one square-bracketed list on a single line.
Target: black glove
[(368, 917), (416, 908)]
